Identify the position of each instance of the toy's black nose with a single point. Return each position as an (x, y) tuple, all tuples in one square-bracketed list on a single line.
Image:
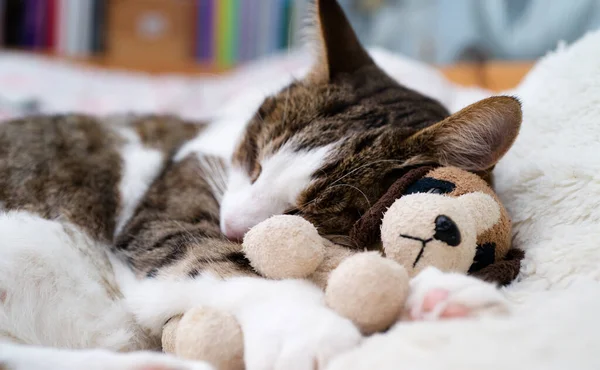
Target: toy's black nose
[(446, 231)]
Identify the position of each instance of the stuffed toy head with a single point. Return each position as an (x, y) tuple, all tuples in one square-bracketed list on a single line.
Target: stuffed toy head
[(443, 217)]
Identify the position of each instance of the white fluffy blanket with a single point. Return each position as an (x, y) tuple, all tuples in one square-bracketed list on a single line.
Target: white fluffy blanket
[(550, 182)]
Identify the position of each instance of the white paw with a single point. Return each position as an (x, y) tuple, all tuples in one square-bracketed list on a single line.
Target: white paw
[(285, 323), (291, 333), (436, 295)]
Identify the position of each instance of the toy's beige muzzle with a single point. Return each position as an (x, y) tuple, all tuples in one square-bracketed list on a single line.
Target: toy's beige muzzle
[(425, 229)]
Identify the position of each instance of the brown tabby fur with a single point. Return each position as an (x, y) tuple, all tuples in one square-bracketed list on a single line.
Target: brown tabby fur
[(175, 230), (69, 166)]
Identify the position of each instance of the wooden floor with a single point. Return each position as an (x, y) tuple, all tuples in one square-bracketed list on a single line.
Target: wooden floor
[(493, 75)]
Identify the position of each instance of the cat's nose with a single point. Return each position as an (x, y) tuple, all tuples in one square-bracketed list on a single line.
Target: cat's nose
[(233, 230), (446, 231)]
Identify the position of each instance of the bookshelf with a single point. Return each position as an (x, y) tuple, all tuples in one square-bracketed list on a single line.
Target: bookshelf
[(197, 36), (192, 37)]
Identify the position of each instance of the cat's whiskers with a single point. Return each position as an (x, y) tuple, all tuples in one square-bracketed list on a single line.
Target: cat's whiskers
[(353, 187), (349, 173), (343, 240), (215, 174), (363, 166)]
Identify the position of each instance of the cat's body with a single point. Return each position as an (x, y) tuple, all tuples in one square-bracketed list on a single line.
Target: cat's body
[(108, 231), (110, 227)]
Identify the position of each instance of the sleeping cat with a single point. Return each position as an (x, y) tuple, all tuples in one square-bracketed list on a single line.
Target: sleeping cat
[(111, 226)]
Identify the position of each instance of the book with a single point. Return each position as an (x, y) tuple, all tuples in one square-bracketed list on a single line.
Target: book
[(50, 25), (84, 27), (205, 29), (234, 23), (61, 26), (244, 30), (27, 33), (98, 26), (225, 32), (13, 20), (2, 5), (40, 24), (264, 20)]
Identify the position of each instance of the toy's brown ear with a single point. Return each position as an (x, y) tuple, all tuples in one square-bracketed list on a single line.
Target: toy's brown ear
[(502, 272), (478, 136), (338, 48), (367, 230)]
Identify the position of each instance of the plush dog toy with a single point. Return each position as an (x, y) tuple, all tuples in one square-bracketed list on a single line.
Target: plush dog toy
[(443, 217)]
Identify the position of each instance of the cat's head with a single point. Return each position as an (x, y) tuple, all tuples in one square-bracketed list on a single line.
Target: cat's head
[(328, 146)]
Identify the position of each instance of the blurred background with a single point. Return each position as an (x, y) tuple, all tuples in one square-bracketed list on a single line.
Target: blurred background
[(487, 44), (215, 35)]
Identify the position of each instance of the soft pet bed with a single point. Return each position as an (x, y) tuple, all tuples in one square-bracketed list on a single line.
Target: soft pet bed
[(549, 181)]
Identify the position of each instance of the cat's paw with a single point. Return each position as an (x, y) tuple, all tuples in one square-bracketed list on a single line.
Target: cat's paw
[(435, 295), (294, 334)]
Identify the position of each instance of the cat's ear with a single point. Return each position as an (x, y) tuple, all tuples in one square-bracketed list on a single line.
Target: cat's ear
[(478, 136), (337, 46)]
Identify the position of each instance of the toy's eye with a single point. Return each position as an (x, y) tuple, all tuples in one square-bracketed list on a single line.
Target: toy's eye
[(431, 186), (435, 191)]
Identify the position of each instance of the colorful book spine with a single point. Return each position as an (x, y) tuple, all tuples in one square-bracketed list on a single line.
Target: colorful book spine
[(98, 25), (28, 25), (205, 29), (234, 24), (40, 24), (2, 16), (50, 25), (226, 32), (85, 26), (245, 30), (220, 34), (62, 15), (265, 19)]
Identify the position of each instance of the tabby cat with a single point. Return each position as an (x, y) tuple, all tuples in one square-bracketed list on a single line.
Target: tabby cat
[(111, 226)]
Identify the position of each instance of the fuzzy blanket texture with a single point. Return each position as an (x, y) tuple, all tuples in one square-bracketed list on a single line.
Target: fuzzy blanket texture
[(549, 181)]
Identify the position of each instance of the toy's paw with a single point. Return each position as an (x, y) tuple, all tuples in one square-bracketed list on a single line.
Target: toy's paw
[(435, 295), (294, 334)]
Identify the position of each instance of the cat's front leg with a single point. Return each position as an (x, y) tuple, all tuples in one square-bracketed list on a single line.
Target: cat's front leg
[(23, 357), (435, 295), (294, 332), (285, 323)]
